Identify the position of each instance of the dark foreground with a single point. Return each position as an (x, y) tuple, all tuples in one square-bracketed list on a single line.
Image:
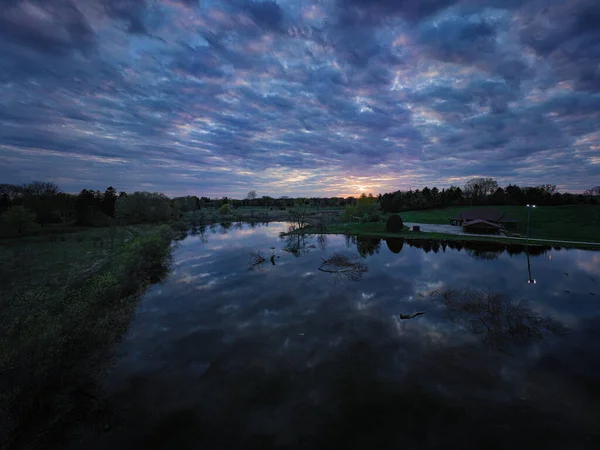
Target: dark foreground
[(287, 357)]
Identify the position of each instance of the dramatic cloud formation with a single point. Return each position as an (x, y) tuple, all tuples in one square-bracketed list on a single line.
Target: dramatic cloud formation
[(299, 97)]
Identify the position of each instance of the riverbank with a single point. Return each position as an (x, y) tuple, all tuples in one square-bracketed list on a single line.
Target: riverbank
[(65, 301), (377, 230)]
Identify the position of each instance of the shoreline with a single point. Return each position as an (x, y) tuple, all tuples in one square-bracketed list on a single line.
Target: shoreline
[(422, 235)]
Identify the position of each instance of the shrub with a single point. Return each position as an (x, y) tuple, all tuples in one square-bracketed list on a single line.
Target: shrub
[(18, 221), (225, 209), (350, 212), (145, 256), (179, 226), (394, 224)]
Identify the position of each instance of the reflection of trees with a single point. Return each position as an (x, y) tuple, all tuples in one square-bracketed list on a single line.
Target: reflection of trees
[(225, 226), (395, 245), (297, 244), (201, 233), (367, 246), (341, 265), (322, 240), (484, 250), (500, 321), (479, 250), (482, 254)]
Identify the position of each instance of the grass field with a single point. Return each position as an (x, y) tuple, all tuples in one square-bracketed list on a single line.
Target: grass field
[(572, 222), (65, 300), (377, 230)]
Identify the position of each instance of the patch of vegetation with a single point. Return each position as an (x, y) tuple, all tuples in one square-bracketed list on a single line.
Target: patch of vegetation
[(65, 302)]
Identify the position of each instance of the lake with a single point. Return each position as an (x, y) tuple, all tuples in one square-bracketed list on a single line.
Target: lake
[(284, 355)]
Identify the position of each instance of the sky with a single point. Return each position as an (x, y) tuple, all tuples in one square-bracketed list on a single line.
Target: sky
[(297, 97)]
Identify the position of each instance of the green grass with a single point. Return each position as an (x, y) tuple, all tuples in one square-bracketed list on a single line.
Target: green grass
[(65, 300), (571, 222), (377, 230)]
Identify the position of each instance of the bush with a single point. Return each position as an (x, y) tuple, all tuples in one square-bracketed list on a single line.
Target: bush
[(18, 221), (225, 209), (180, 226), (374, 217), (145, 257), (394, 224)]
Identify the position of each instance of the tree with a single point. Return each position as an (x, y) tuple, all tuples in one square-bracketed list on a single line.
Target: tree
[(549, 189), (18, 221), (480, 187), (394, 224), (144, 207), (251, 195), (41, 198), (41, 188), (109, 200), (593, 191)]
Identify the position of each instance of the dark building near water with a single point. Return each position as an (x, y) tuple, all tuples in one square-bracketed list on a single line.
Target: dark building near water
[(484, 220)]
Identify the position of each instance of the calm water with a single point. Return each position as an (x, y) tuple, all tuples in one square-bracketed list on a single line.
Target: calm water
[(286, 356)]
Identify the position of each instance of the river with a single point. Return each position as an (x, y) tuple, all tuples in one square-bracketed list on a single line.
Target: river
[(223, 354)]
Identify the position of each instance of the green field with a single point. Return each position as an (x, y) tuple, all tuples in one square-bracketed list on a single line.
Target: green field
[(572, 222)]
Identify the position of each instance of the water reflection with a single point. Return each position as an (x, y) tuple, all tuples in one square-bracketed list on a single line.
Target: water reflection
[(501, 321), (395, 245), (221, 357)]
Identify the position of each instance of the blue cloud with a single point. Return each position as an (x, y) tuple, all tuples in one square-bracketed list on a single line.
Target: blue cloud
[(310, 98)]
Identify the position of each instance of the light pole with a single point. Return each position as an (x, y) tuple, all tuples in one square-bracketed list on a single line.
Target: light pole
[(528, 220), (530, 280)]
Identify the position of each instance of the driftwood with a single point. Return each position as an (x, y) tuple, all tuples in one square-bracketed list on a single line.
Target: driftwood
[(342, 265), (411, 316), (256, 260)]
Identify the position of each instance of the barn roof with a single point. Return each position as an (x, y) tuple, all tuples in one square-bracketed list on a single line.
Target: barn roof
[(480, 222), (487, 214)]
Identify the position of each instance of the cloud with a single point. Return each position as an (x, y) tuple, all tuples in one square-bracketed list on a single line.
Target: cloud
[(308, 97)]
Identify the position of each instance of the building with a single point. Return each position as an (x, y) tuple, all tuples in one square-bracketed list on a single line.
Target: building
[(481, 227), (489, 219)]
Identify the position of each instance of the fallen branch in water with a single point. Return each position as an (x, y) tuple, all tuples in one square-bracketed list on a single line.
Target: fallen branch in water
[(342, 265), (256, 260), (410, 316)]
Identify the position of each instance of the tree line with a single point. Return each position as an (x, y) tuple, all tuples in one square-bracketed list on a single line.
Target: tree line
[(483, 191), (24, 208)]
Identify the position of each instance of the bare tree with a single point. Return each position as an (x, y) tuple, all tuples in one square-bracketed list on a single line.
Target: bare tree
[(480, 187), (549, 189), (593, 191), (298, 216), (251, 195)]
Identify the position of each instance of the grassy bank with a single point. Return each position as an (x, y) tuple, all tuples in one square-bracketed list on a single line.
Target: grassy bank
[(569, 223), (65, 301), (377, 230)]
